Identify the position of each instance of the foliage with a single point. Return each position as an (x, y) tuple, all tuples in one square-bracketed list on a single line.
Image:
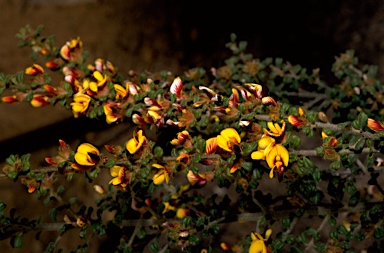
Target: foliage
[(238, 127)]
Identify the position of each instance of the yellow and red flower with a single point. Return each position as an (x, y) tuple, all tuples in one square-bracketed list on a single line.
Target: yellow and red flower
[(375, 125), (72, 50), (135, 143), (34, 70), (296, 121), (39, 100), (119, 174), (228, 139), (275, 129), (80, 104), (110, 111), (182, 137), (258, 242), (199, 179), (161, 176), (87, 155), (276, 155)]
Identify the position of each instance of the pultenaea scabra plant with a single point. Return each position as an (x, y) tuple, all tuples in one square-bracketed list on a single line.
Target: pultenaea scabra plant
[(238, 127)]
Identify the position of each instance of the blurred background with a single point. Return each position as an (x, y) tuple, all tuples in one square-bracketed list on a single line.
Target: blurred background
[(170, 35)]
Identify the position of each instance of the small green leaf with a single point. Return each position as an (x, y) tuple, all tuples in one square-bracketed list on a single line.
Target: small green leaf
[(110, 163), (201, 144), (142, 233), (286, 222), (186, 221), (378, 233), (17, 241), (307, 163), (247, 166), (341, 230), (154, 247), (158, 152), (294, 141), (362, 120), (215, 229), (194, 239), (247, 148), (335, 165)]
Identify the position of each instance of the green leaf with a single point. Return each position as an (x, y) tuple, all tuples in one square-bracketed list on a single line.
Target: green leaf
[(200, 221), (362, 120), (110, 163), (60, 189), (378, 233), (194, 239), (320, 246), (17, 241), (247, 166), (286, 222), (341, 230), (316, 174), (186, 221), (144, 172), (12, 175), (335, 165), (307, 163), (154, 247), (142, 233), (201, 144), (294, 141), (20, 77), (215, 229), (11, 160), (248, 148), (158, 152)]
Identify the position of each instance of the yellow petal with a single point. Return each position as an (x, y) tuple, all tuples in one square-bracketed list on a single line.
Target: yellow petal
[(284, 154), (159, 177), (268, 234), (87, 148), (265, 142), (132, 146), (115, 181), (272, 127), (158, 166), (257, 247), (223, 143), (258, 155), (211, 145), (230, 134), (83, 159), (114, 171)]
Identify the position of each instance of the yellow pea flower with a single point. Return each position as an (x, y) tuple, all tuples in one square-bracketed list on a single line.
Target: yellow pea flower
[(264, 146), (258, 242), (227, 139), (134, 144), (110, 112), (87, 155), (275, 129), (34, 70), (160, 176), (120, 91), (119, 175), (80, 104), (277, 157)]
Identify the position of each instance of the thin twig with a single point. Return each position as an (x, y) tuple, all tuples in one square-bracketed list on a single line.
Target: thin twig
[(289, 230), (311, 243)]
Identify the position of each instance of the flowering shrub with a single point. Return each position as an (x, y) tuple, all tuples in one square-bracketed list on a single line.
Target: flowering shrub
[(240, 127)]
